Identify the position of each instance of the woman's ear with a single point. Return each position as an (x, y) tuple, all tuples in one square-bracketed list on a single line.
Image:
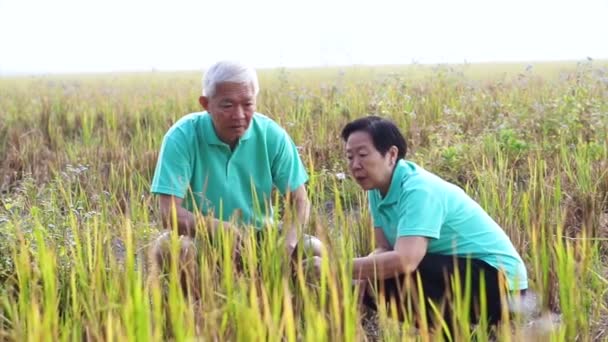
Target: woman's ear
[(393, 153)]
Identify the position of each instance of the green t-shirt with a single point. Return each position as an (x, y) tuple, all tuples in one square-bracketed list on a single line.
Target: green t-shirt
[(196, 165), (419, 203)]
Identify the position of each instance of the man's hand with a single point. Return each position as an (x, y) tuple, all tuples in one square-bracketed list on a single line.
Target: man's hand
[(300, 206), (186, 220), (291, 240), (172, 213), (239, 246)]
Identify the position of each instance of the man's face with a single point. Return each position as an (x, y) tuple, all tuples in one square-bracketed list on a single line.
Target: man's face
[(231, 108)]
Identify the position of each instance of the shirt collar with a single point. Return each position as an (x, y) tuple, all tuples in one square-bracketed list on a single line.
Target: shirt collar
[(394, 190)]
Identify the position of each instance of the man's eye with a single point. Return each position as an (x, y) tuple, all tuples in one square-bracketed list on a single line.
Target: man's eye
[(349, 157), (226, 105)]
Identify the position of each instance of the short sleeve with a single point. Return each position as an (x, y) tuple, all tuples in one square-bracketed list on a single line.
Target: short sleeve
[(288, 172), (173, 168), (422, 213)]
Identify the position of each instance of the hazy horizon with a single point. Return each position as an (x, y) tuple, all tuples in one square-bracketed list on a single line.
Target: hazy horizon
[(69, 36)]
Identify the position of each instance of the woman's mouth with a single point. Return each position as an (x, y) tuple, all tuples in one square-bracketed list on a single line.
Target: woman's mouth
[(360, 179)]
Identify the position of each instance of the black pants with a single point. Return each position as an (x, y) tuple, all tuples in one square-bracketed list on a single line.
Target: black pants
[(438, 274)]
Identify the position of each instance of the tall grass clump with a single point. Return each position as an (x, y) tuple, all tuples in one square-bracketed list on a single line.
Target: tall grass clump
[(529, 143)]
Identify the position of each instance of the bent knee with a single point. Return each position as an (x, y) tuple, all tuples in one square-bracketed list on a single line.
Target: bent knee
[(160, 251), (187, 248), (313, 244)]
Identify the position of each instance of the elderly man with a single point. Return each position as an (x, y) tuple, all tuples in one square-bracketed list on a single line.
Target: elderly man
[(224, 163)]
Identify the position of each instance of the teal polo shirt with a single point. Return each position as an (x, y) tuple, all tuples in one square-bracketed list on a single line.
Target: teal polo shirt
[(419, 203), (196, 165)]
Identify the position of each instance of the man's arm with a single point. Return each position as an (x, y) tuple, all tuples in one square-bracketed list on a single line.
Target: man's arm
[(408, 252), (186, 220), (299, 201)]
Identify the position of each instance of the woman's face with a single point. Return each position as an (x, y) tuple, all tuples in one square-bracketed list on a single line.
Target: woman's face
[(370, 169)]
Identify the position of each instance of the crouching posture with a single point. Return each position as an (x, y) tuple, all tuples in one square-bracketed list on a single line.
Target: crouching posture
[(427, 229), (223, 163)]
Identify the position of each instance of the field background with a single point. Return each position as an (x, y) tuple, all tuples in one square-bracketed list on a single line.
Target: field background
[(528, 141)]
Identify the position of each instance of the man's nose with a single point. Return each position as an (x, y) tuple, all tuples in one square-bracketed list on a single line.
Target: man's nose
[(239, 112)]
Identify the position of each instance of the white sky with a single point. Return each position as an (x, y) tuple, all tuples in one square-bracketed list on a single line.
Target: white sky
[(116, 35)]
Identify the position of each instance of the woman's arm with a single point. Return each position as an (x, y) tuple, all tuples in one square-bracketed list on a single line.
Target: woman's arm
[(382, 244), (407, 254)]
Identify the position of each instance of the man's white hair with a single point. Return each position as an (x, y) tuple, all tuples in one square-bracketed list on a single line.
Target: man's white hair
[(228, 71)]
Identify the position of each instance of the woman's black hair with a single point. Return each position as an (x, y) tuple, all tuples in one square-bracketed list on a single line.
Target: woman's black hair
[(384, 133)]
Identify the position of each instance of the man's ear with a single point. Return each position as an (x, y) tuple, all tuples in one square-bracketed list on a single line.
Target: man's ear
[(204, 101)]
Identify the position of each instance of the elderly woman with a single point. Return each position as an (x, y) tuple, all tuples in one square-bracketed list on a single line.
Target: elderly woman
[(426, 227)]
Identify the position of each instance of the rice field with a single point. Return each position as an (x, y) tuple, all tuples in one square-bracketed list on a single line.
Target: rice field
[(529, 142)]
